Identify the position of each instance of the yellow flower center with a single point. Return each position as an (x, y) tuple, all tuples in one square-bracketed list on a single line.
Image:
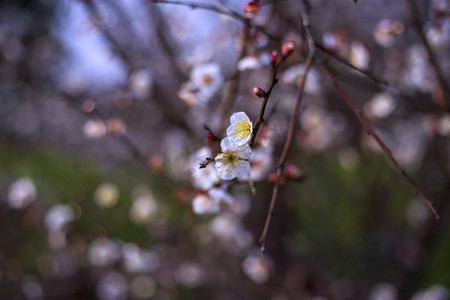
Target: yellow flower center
[(207, 79), (230, 158), (242, 129)]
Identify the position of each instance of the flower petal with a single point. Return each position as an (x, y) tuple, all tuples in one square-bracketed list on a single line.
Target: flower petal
[(242, 169), (239, 116)]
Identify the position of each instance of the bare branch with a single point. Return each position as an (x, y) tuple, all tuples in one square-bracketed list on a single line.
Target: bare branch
[(367, 73), (268, 91), (287, 145), (377, 139)]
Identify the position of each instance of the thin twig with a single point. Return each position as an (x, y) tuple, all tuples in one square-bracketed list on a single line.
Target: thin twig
[(210, 7), (350, 65), (229, 12), (268, 91), (377, 139), (283, 157)]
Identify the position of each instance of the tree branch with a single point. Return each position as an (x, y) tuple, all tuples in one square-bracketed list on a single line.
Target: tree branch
[(380, 143), (283, 157)]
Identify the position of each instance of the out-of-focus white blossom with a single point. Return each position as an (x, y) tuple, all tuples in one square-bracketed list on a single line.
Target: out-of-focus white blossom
[(385, 31), (435, 292), (312, 118), (419, 74), (349, 158), (189, 274), (440, 7), (106, 195), (240, 130), (141, 83), (136, 260), (250, 62), (233, 160), (380, 106), (417, 213), (383, 291), (57, 240), (211, 202), (21, 193), (443, 127), (116, 126), (226, 226), (203, 203), (57, 217), (205, 178), (261, 162), (94, 129), (322, 129), (336, 41), (293, 75), (143, 209), (113, 286), (257, 268), (32, 288), (142, 287), (359, 55), (205, 81), (103, 252), (438, 35)]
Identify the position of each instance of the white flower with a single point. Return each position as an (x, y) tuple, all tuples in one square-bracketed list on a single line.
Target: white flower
[(203, 203), (257, 268), (232, 161), (21, 193), (249, 63), (359, 55), (103, 252), (205, 82), (240, 130), (144, 209), (292, 76), (57, 217), (261, 163), (208, 79), (106, 195), (211, 202), (205, 178), (380, 106)]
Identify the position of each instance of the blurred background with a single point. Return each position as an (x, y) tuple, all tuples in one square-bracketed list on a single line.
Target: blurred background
[(102, 113)]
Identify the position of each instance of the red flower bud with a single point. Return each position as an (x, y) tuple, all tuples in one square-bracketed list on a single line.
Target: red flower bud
[(287, 49), (252, 9), (259, 92), (275, 59)]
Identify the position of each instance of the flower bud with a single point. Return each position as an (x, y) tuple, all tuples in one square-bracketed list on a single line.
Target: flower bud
[(252, 9), (293, 172), (275, 59), (259, 92), (287, 49)]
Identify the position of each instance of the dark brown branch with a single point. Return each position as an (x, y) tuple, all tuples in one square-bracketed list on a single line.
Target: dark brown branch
[(377, 139), (268, 91), (283, 157), (348, 64)]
